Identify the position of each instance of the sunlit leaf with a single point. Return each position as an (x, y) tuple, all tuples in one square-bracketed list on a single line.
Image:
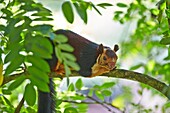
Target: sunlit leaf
[(163, 6), (160, 16), (71, 87), (70, 110), (58, 54), (79, 84), (107, 85), (69, 56), (7, 101), (90, 92), (106, 93), (66, 47), (73, 64), (155, 11), (60, 38), (99, 95)]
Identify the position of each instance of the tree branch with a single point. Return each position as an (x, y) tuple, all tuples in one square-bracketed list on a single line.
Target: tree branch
[(142, 78), (118, 73)]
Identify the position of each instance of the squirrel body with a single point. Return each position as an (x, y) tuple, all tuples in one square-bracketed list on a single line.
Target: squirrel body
[(93, 59), (89, 55)]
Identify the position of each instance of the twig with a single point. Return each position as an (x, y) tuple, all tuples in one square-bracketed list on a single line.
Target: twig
[(82, 102), (11, 77), (18, 109)]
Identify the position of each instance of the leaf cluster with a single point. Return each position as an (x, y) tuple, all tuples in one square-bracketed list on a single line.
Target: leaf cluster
[(81, 7), (74, 97)]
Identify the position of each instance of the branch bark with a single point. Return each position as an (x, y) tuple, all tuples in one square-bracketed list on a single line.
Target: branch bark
[(118, 73)]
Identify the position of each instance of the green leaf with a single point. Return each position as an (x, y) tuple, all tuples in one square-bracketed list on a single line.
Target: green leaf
[(60, 38), (58, 102), (82, 11), (155, 11), (121, 5), (58, 54), (43, 19), (160, 16), (14, 64), (40, 46), (17, 83), (41, 85), (73, 64), (66, 47), (168, 13), (71, 87), (99, 95), (42, 13), (118, 12), (7, 12), (67, 72), (69, 56), (107, 85), (30, 94), (70, 110), (2, 28), (165, 41), (68, 11), (106, 93), (40, 75), (79, 84), (104, 5), (14, 53), (163, 6), (1, 1), (8, 102), (6, 92), (41, 64), (44, 28), (90, 93), (96, 9)]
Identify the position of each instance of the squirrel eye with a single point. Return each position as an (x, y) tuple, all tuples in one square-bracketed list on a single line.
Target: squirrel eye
[(104, 58)]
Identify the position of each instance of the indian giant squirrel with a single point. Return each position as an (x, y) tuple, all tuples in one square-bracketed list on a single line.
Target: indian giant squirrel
[(92, 58)]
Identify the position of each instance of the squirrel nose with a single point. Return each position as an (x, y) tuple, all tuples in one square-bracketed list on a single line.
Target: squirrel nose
[(111, 65)]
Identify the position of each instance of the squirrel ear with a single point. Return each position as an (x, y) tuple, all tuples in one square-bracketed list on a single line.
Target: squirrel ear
[(100, 49), (116, 48)]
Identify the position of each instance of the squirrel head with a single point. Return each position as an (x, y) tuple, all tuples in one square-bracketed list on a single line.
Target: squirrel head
[(107, 57)]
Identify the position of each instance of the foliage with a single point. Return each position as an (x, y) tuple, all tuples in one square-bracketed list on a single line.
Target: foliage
[(24, 24), (73, 98), (23, 44), (146, 42), (149, 42)]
